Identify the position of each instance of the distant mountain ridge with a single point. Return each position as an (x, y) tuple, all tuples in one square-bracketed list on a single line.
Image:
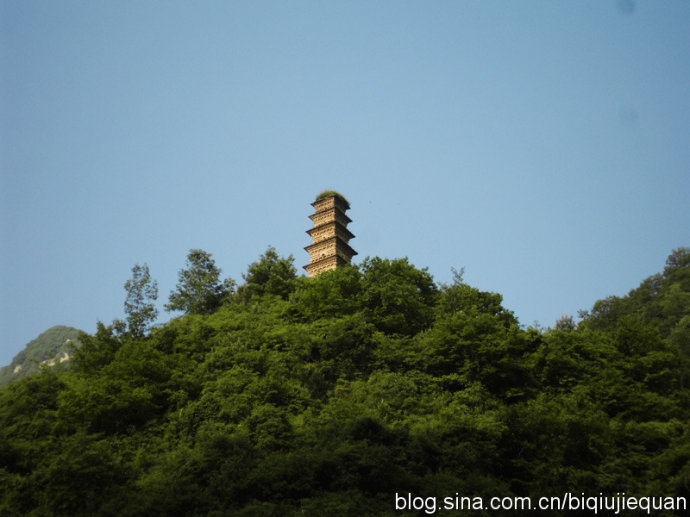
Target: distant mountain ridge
[(51, 347)]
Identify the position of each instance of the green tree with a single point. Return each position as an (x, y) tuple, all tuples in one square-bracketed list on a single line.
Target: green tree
[(398, 298), (566, 323), (142, 291), (331, 294), (199, 289), (368, 380), (96, 351), (271, 274), (678, 260)]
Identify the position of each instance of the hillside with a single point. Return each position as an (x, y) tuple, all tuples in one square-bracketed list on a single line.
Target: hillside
[(661, 301), (50, 347), (348, 394)]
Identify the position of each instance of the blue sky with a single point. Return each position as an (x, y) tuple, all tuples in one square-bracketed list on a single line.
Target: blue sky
[(543, 145)]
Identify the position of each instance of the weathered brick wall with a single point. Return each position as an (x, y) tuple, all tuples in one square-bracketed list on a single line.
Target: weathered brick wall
[(341, 253), (328, 231), (323, 204), (327, 265), (328, 236), (322, 250), (329, 215), (323, 233), (330, 202)]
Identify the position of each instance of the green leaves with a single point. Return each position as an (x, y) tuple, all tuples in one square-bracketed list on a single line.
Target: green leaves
[(662, 301), (327, 395), (96, 351), (398, 298), (142, 291), (271, 274), (199, 288)]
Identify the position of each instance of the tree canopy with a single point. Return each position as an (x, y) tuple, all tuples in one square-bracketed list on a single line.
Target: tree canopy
[(142, 292), (271, 274), (199, 289), (326, 396)]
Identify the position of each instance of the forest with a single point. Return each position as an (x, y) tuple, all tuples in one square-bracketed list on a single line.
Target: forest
[(284, 395)]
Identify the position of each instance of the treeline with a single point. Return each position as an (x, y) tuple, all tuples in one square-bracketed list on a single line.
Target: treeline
[(324, 397)]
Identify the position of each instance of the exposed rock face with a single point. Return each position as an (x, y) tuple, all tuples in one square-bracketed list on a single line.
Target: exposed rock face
[(50, 349)]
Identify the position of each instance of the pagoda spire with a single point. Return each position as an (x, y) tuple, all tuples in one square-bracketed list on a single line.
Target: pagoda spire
[(329, 248)]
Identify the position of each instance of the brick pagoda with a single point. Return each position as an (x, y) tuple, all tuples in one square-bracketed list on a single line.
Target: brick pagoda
[(329, 248)]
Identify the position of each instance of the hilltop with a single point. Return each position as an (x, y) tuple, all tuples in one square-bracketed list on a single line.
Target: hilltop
[(51, 347), (327, 396)]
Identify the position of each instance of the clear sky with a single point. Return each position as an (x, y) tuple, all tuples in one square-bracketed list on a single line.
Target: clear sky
[(542, 145)]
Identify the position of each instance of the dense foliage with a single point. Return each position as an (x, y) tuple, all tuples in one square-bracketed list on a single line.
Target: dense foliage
[(326, 396), (661, 301), (199, 289)]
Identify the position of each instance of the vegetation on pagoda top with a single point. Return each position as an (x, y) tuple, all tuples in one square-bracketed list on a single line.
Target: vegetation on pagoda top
[(328, 193)]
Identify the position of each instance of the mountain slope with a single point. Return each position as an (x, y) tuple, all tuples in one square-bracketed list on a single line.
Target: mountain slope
[(50, 347), (353, 393)]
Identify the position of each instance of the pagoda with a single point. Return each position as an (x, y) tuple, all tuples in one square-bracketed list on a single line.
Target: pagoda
[(329, 248)]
